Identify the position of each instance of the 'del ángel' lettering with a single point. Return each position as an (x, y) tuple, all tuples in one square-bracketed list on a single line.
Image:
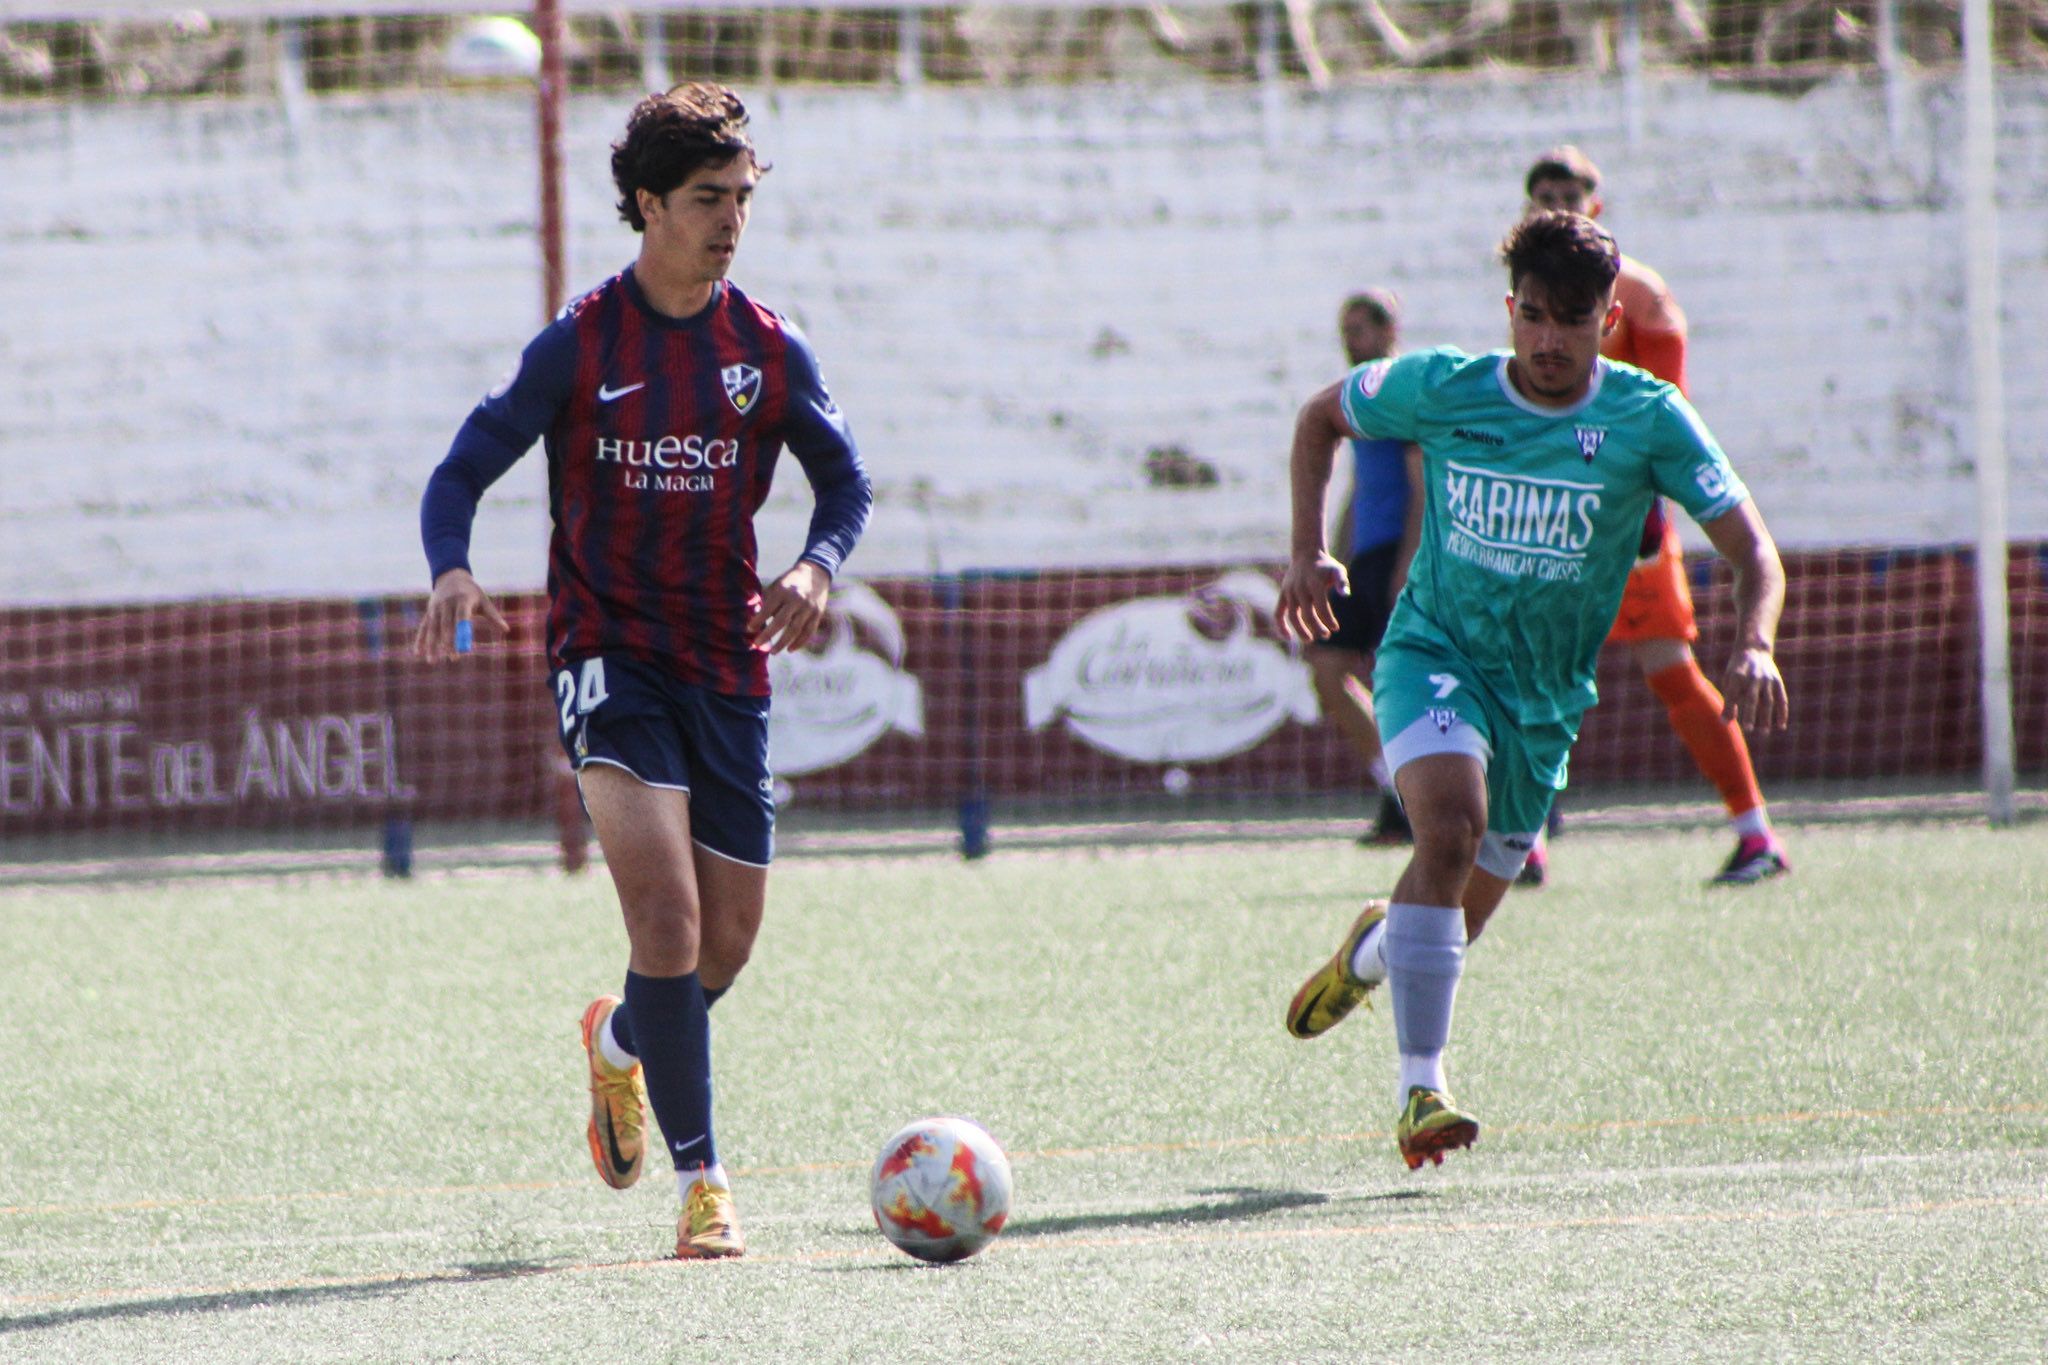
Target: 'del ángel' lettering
[(91, 766)]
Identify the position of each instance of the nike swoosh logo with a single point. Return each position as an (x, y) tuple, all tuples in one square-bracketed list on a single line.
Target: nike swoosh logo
[(619, 1162), (686, 1146), (606, 394)]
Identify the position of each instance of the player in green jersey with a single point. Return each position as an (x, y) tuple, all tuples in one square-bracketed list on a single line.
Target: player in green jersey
[(1538, 464)]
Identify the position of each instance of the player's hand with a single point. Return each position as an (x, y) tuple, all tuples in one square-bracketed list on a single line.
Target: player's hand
[(792, 609), (1754, 691), (456, 599), (1304, 611)]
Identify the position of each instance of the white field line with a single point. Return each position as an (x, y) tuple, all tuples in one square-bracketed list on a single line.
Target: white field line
[(1181, 1238), (1137, 837), (1790, 1118), (2007, 1165)]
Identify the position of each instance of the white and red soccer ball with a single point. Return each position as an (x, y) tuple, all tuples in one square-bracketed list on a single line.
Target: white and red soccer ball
[(941, 1189)]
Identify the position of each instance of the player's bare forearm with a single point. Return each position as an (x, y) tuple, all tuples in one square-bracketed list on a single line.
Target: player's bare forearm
[(1303, 611), (792, 609), (1317, 429), (1753, 689), (456, 600)]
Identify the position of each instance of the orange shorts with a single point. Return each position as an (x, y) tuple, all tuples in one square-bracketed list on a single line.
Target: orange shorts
[(1657, 604)]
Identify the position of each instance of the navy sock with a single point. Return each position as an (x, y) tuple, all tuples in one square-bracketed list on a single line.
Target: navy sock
[(672, 1038), (622, 1021)]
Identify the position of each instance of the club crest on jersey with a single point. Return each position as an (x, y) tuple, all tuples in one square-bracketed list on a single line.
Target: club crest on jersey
[(1590, 441), (1443, 717), (742, 386), (1372, 375)]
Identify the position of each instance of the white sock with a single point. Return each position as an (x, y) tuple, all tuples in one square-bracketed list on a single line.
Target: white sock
[(712, 1175), (1381, 778), (1425, 957), (1369, 959), (1427, 1072), (608, 1047), (1752, 824)]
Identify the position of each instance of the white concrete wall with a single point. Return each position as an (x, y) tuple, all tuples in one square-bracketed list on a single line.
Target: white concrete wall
[(233, 348)]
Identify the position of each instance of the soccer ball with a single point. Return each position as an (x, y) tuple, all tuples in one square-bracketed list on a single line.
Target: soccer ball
[(493, 49), (941, 1189)]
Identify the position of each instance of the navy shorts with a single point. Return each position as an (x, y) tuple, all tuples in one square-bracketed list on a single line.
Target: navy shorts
[(672, 734), (1362, 613)]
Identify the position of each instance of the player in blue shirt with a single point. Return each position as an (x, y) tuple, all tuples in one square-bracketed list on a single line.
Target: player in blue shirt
[(664, 397), (1539, 467), (1378, 530)]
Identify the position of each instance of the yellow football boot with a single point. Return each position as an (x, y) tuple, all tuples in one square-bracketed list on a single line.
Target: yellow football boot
[(710, 1225), (1431, 1125), (618, 1105), (1333, 991)]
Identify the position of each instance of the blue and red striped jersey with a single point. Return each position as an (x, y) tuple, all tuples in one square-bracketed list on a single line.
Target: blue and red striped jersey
[(662, 436)]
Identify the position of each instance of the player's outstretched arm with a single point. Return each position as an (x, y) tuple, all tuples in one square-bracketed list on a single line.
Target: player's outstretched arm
[(1753, 689), (1312, 573), (792, 608), (456, 598)]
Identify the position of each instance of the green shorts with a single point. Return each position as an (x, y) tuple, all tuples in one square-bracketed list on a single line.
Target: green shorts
[(1432, 702)]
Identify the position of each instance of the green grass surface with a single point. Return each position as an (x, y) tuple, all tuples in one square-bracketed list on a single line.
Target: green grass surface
[(331, 1118)]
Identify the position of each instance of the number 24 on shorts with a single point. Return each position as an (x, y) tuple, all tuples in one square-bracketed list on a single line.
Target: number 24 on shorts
[(580, 695)]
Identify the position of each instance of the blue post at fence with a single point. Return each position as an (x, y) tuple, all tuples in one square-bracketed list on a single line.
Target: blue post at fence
[(974, 806), (397, 846), (973, 827), (374, 614)]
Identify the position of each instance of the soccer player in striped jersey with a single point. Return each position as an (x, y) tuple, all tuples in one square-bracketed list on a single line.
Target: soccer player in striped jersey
[(1656, 619), (1539, 464), (664, 397)]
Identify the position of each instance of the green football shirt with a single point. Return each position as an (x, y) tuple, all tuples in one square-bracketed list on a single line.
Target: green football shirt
[(1533, 515)]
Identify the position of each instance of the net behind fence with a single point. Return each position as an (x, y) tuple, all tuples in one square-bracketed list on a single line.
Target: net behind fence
[(244, 47), (1062, 690)]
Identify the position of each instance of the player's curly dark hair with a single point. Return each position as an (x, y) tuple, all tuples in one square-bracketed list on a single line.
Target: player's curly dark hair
[(671, 136), (1573, 257)]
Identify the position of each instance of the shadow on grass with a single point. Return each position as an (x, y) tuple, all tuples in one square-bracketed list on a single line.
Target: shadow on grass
[(236, 1300), (1217, 1206)]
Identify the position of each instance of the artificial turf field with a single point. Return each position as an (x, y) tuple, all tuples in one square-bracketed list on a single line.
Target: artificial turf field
[(333, 1118)]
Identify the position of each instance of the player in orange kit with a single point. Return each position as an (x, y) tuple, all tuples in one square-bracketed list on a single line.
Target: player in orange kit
[(1656, 618)]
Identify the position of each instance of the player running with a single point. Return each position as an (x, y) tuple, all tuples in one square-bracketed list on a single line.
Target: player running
[(1539, 465), (664, 397), (1379, 527), (1656, 620)]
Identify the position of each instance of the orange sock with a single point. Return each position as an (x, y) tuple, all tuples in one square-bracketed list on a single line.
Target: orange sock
[(1717, 745)]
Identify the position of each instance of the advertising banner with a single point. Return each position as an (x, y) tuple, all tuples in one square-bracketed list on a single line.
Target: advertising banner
[(1056, 688)]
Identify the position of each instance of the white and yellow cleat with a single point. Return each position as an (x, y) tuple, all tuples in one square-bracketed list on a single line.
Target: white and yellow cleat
[(618, 1105), (710, 1225)]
